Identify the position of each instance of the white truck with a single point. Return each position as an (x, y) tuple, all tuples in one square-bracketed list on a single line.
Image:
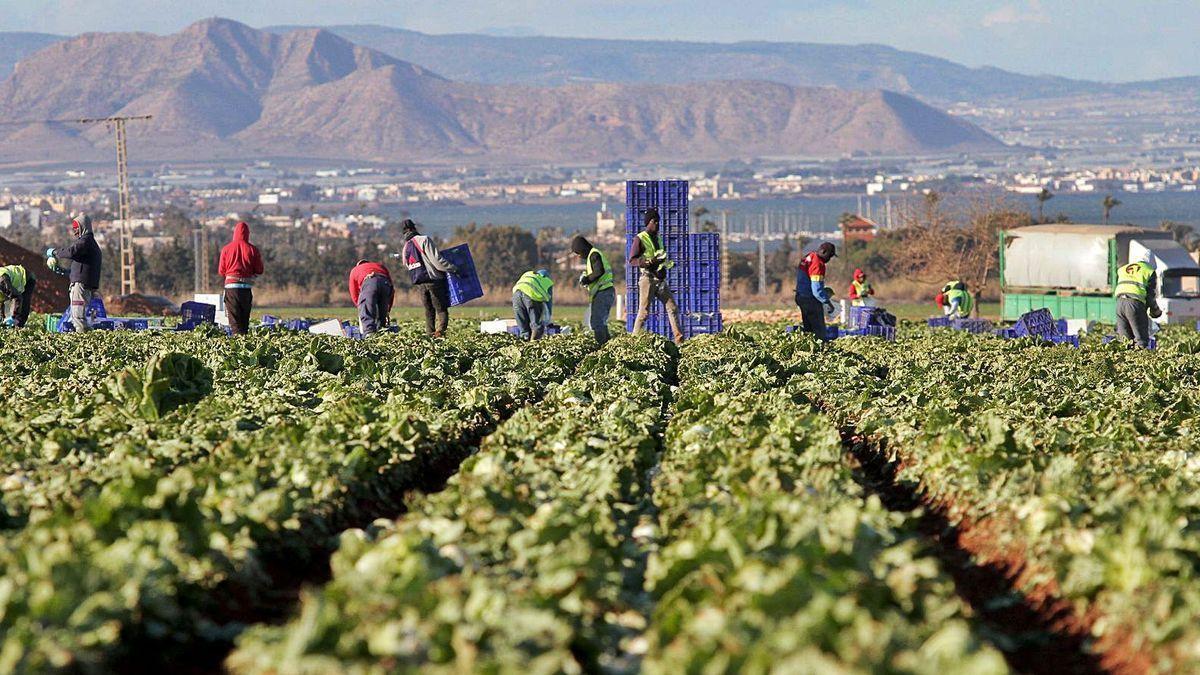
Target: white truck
[(1072, 271)]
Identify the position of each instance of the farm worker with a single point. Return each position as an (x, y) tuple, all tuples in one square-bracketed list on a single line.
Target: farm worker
[(812, 296), (16, 294), (240, 263), (860, 289), (955, 300), (649, 254), (85, 259), (1136, 294), (533, 297), (597, 278), (372, 293), (427, 270)]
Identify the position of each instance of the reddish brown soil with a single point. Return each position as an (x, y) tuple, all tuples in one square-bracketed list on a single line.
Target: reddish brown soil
[(136, 304), (50, 296), (1034, 627)]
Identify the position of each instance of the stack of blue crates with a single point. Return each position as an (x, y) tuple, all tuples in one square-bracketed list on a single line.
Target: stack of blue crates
[(696, 277), (464, 286)]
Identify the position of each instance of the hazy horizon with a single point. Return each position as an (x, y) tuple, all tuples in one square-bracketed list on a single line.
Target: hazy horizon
[(1106, 40)]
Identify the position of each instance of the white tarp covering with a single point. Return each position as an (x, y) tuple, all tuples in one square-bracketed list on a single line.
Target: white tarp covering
[(1037, 258)]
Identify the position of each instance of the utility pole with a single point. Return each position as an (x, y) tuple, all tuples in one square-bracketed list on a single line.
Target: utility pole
[(762, 256), (724, 251)]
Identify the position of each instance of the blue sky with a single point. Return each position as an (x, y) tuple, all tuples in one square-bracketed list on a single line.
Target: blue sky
[(1095, 39)]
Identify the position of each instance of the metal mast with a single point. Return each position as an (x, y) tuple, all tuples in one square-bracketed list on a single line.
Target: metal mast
[(128, 270)]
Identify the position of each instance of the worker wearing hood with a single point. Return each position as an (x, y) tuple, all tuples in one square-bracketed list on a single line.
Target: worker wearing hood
[(85, 258), (240, 263), (1137, 297), (860, 289), (597, 278)]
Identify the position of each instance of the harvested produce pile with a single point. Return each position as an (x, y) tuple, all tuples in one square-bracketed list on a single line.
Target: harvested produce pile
[(477, 504), (50, 297)]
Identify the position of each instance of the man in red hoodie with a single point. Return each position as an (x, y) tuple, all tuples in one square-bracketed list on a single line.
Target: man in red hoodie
[(240, 263), (371, 291)]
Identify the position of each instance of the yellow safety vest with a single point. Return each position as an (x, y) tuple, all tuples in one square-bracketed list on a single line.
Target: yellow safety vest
[(16, 276), (536, 286), (861, 289), (1134, 280), (651, 251), (606, 279), (966, 302)]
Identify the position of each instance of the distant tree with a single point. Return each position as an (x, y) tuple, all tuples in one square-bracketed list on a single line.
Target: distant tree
[(501, 252), (1043, 197), (702, 220), (1109, 203), (1183, 233)]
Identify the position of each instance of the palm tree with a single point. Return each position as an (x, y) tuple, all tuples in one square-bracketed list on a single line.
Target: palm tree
[(1109, 205), (1043, 197)]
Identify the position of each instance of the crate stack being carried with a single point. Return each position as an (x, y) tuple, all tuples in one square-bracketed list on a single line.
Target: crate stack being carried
[(696, 276)]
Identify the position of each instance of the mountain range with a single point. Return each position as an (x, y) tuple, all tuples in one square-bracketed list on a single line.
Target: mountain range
[(220, 89)]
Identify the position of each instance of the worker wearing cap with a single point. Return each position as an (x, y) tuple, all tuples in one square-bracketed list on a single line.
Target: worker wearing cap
[(16, 294), (860, 289), (533, 300), (372, 293), (812, 296), (85, 259), (955, 300), (650, 254), (597, 278), (1136, 294)]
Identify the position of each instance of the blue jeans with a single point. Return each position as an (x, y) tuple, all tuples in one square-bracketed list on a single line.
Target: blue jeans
[(530, 316), (595, 317), (374, 304)]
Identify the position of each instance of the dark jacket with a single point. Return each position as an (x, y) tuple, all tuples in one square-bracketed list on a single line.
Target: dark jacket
[(583, 248), (84, 255)]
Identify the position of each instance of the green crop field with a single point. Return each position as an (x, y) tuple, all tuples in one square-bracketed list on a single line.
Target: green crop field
[(752, 502)]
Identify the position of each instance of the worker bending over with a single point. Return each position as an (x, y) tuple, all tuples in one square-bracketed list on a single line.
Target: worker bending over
[(85, 259), (860, 289), (1136, 294), (812, 296), (427, 269), (372, 293), (597, 278), (16, 294), (955, 300), (649, 254), (533, 300)]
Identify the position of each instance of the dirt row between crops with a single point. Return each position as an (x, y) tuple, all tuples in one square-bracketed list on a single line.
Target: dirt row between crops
[(1037, 630), (291, 564)]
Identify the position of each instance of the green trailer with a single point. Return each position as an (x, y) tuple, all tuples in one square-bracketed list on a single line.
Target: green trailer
[(1071, 270)]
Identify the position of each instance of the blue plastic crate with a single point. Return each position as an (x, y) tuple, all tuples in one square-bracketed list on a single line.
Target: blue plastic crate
[(298, 324), (94, 312), (1006, 333), (704, 246), (886, 332), (1039, 322), (938, 322), (669, 197), (192, 314), (464, 286), (131, 324), (698, 300), (973, 326), (702, 324), (1069, 340)]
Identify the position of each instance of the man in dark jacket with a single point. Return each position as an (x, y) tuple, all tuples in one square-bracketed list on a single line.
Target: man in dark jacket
[(85, 259), (372, 293), (427, 270), (17, 285), (597, 278)]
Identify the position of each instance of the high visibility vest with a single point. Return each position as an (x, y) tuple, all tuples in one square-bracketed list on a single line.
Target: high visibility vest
[(536, 286), (861, 289), (651, 251), (965, 302), (605, 280), (16, 277), (1134, 280)]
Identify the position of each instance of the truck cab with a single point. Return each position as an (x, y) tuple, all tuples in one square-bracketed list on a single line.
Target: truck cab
[(1178, 278)]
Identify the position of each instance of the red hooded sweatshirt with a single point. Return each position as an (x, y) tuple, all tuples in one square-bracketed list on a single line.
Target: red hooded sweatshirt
[(240, 261), (360, 273)]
